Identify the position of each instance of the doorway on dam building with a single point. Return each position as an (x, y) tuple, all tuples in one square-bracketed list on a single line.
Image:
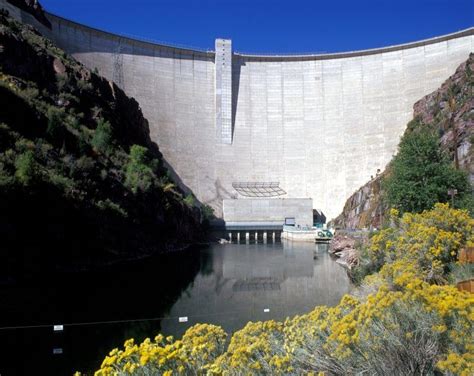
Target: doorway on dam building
[(319, 219)]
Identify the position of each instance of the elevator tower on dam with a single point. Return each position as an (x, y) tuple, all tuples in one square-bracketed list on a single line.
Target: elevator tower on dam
[(268, 128)]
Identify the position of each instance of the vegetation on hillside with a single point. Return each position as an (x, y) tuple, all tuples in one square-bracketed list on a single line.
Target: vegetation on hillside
[(80, 179), (405, 319)]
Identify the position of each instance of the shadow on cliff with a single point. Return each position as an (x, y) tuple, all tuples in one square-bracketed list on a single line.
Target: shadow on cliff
[(71, 208)]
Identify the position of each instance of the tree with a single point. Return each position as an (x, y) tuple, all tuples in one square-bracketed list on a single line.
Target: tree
[(102, 139), (55, 130), (139, 175), (207, 212), (190, 200), (421, 173), (26, 167)]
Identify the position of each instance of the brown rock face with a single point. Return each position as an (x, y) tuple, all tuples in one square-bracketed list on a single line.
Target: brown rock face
[(59, 67), (449, 111), (343, 247), (364, 209), (340, 243)]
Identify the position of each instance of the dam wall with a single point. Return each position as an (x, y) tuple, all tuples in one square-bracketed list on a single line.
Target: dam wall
[(319, 125)]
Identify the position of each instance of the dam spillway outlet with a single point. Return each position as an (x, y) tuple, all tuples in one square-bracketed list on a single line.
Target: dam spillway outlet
[(320, 125), (254, 236)]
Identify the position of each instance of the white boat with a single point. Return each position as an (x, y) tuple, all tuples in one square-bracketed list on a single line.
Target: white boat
[(306, 234)]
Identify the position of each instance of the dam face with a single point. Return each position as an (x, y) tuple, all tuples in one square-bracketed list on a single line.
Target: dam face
[(318, 125)]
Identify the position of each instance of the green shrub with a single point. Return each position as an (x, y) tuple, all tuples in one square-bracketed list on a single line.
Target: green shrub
[(61, 181), (139, 175), (55, 130), (102, 139), (190, 200), (68, 98), (108, 204), (30, 93), (85, 163), (83, 143), (207, 212), (62, 82), (26, 168), (139, 155), (465, 201), (84, 85), (6, 179)]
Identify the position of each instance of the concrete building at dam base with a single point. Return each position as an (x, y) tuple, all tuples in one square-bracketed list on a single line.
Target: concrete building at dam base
[(264, 137)]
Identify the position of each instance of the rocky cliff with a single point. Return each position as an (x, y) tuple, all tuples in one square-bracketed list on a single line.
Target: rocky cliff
[(450, 112), (364, 208), (81, 183)]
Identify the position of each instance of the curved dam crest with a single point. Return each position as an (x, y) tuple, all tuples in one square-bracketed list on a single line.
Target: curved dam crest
[(319, 125)]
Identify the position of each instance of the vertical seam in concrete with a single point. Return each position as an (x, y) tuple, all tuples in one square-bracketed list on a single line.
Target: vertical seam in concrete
[(305, 139), (344, 147), (223, 87)]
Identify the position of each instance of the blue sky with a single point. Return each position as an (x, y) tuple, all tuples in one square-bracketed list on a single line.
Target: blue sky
[(291, 26)]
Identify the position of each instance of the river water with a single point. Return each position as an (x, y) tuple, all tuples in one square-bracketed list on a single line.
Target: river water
[(226, 285)]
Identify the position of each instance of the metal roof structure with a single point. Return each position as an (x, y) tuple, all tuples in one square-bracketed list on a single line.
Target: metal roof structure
[(259, 189)]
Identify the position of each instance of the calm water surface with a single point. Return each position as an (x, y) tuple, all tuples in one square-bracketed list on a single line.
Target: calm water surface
[(227, 285)]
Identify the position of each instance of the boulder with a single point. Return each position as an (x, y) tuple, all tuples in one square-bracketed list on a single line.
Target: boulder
[(340, 243)]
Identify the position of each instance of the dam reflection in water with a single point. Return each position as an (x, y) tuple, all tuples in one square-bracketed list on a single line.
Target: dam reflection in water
[(252, 282), (226, 285)]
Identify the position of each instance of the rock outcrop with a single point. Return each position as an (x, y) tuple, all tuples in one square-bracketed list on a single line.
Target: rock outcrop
[(364, 209), (343, 247), (450, 111)]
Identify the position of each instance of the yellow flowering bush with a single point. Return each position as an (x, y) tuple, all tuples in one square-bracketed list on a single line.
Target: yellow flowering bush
[(198, 348), (202, 344), (257, 348), (405, 325), (429, 240)]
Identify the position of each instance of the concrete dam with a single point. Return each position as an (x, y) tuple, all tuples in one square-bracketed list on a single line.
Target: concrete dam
[(264, 127)]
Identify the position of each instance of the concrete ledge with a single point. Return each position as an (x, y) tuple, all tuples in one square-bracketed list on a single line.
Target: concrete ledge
[(370, 51)]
